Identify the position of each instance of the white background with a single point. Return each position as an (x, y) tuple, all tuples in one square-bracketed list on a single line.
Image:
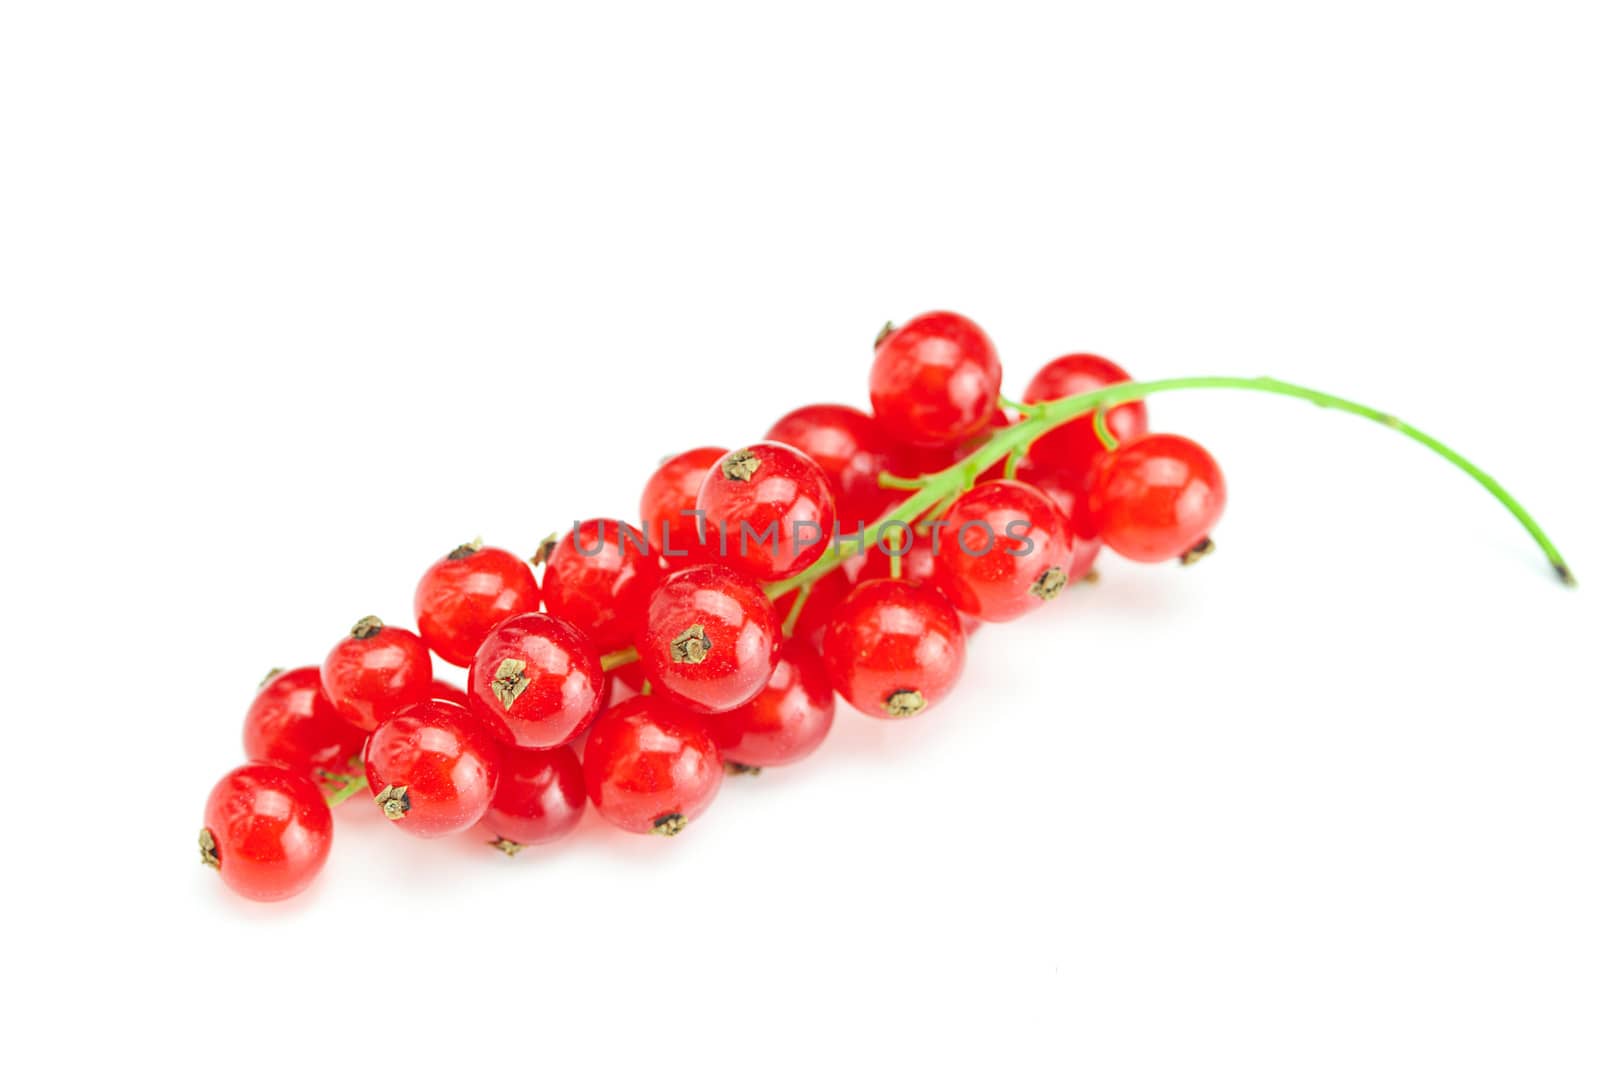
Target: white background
[(295, 297)]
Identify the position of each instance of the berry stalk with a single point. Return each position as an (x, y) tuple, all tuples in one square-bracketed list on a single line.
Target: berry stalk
[(1013, 442)]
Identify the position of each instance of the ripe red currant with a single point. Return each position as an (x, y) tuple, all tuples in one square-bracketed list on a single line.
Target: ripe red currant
[(292, 722), (710, 638), (893, 648), (650, 767), (667, 506), (598, 577), (1004, 549), (769, 509), (1071, 450), (851, 451), (468, 593), (267, 831), (541, 675), (439, 689), (786, 721), (935, 380), (1158, 498), (539, 798), (433, 768), (376, 671)]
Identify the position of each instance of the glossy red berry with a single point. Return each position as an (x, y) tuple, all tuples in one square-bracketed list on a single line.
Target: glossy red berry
[(667, 506), (292, 722), (1073, 504), (432, 768), (1003, 549), (541, 675), (267, 831), (850, 449), (439, 689), (710, 638), (598, 577), (650, 767), (768, 509), (376, 671), (1072, 449), (468, 593), (539, 799), (935, 380), (1158, 498), (786, 721), (894, 649)]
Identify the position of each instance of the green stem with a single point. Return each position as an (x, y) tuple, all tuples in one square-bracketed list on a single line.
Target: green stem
[(1042, 418), (355, 785), (622, 656)]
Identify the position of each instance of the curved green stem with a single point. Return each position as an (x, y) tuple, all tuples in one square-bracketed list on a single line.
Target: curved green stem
[(1044, 417), (355, 785), (621, 657)]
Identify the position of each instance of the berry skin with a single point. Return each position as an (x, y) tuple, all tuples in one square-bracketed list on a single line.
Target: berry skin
[(768, 510), (292, 722), (826, 593), (540, 797), (432, 769), (1158, 499), (710, 638), (851, 451), (540, 675), (376, 671), (1003, 550), (598, 578), (786, 721), (1074, 506), (439, 689), (267, 831), (894, 649), (468, 593), (670, 492), (935, 380), (650, 767), (1072, 449)]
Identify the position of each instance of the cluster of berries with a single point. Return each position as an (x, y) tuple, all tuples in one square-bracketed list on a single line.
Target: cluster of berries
[(844, 553)]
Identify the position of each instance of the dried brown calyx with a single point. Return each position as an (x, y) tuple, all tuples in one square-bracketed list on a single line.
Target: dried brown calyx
[(904, 703), (371, 626), (1049, 584), (691, 646), (393, 802), (510, 679), (1198, 552), (669, 825), (741, 466), (208, 851), (466, 550), (506, 845)]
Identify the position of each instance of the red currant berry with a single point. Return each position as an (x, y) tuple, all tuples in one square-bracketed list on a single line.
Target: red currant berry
[(786, 721), (1071, 449), (489, 720), (935, 380), (893, 648), (598, 577), (769, 509), (650, 767), (667, 506), (468, 593), (710, 638), (541, 675), (851, 451), (1158, 498), (267, 831), (292, 722), (375, 672), (432, 768), (539, 798), (1004, 549), (1074, 507)]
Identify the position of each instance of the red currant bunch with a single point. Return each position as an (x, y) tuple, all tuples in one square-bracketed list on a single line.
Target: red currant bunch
[(846, 554)]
